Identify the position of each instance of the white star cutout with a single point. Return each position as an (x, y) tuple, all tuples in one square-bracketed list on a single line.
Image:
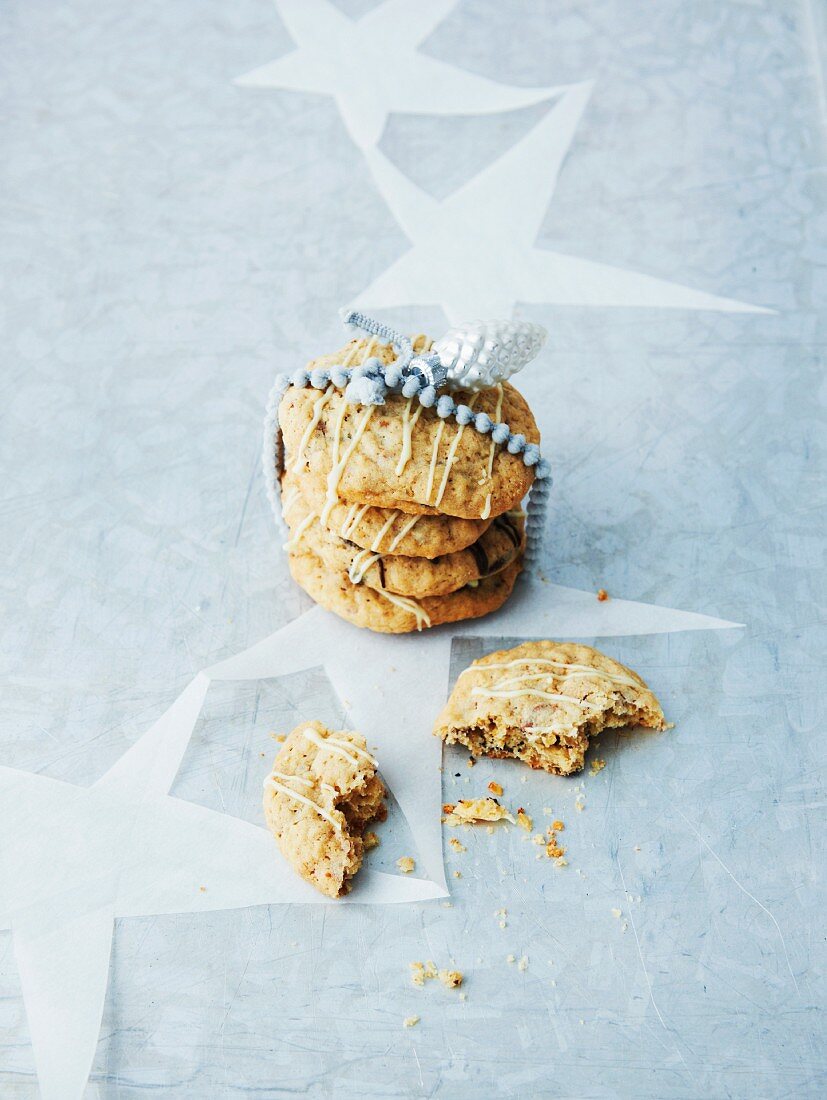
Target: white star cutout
[(372, 67), (474, 252), (72, 859)]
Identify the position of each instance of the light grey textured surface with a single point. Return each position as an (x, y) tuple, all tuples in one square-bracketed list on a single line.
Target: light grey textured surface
[(170, 242)]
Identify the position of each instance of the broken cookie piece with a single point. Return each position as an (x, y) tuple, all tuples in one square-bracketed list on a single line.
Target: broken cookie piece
[(476, 811), (542, 702), (321, 794)]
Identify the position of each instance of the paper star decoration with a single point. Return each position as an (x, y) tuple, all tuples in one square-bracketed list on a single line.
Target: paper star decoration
[(73, 859), (372, 66), (474, 252)]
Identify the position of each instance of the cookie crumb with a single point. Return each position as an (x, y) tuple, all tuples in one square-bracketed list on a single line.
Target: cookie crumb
[(463, 996), (523, 820), (457, 874), (538, 838), (617, 913), (410, 1021), (471, 761), (597, 766), (602, 595), (510, 958), (495, 788), (202, 889), (406, 864), (457, 845), (451, 979), (475, 811), (371, 840), (523, 963)]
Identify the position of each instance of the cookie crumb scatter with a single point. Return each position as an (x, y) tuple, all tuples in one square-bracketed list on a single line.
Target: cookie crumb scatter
[(474, 811), (495, 788), (558, 826), (371, 840), (547, 811), (471, 761), (451, 979), (410, 1021), (457, 874), (538, 838), (503, 924), (602, 595), (523, 963), (510, 958), (457, 845), (280, 737), (597, 766), (463, 996), (523, 820), (406, 864), (617, 913)]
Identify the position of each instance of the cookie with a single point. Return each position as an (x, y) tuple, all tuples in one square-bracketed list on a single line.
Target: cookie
[(387, 529), (391, 614), (322, 792), (402, 455), (498, 547), (542, 701)]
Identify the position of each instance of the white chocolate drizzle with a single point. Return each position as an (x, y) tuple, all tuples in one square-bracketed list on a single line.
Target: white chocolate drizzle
[(407, 604), (434, 455), (408, 423), (569, 669), (301, 527), (318, 408), (353, 518), (405, 529), (383, 530), (337, 746), (486, 511), (295, 778), (276, 786), (360, 565), (450, 458), (514, 693), (339, 464)]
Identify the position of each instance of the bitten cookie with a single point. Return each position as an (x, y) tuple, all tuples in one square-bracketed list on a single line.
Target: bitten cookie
[(388, 613), (386, 529), (322, 792), (497, 548), (542, 701), (402, 455)]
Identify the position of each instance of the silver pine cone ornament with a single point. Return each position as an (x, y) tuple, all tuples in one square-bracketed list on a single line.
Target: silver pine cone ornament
[(481, 354)]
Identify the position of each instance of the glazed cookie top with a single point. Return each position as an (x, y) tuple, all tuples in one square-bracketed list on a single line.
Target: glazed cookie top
[(320, 794), (401, 454), (387, 613), (386, 530), (550, 691), (501, 543)]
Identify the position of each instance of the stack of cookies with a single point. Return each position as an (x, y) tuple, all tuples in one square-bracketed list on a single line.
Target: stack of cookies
[(401, 517)]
